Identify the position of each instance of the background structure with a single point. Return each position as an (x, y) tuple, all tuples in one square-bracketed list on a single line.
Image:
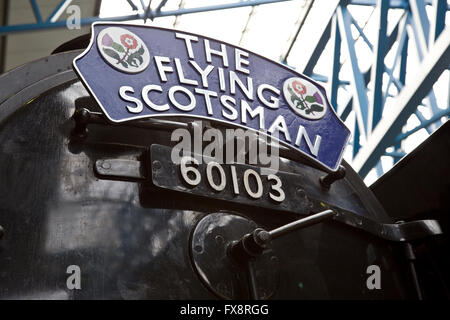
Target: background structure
[(384, 62)]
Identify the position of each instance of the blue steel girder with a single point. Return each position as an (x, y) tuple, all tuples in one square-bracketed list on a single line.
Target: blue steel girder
[(360, 100), (439, 20), (51, 23), (390, 42), (387, 130), (375, 107), (368, 104), (420, 34), (336, 65)]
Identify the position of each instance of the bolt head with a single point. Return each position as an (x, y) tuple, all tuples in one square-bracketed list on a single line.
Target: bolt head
[(156, 165)]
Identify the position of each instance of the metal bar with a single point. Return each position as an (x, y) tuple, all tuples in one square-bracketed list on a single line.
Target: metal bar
[(142, 4), (217, 7), (319, 77), (37, 13), (390, 42), (60, 8), (356, 136), (300, 26), (376, 105), (379, 168), (411, 257), (336, 66), (438, 20), (421, 51), (247, 23), (161, 5), (422, 119), (421, 23), (400, 44), (132, 5), (4, 17), (436, 61), (394, 4), (315, 50), (361, 32), (62, 24), (360, 104), (86, 21), (395, 154), (403, 60), (301, 223), (423, 125), (148, 14), (252, 285)]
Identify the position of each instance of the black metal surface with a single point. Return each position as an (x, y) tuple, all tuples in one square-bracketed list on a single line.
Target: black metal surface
[(210, 254), (80, 42), (251, 246), (327, 181), (420, 183), (132, 239), (167, 175), (418, 187)]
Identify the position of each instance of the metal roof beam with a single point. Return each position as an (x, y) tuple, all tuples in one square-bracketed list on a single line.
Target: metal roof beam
[(41, 25), (434, 63)]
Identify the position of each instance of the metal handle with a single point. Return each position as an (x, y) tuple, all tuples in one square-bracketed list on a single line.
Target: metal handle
[(253, 244), (301, 223)]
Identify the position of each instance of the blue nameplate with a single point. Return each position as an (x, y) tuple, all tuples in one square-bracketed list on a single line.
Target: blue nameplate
[(139, 71)]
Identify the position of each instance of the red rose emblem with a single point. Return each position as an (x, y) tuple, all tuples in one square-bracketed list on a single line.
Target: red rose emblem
[(299, 87), (128, 41)]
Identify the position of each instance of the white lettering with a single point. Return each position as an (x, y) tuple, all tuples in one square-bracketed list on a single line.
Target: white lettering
[(274, 102), (239, 61), (181, 76), (302, 133), (123, 94), (279, 125), (161, 68), (247, 90), (203, 73), (259, 111), (221, 53), (207, 94), (225, 102), (146, 90), (187, 41), (190, 95)]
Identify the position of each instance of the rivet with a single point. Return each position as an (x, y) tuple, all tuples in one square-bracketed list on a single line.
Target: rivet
[(219, 239), (156, 165), (106, 165), (198, 248), (300, 192)]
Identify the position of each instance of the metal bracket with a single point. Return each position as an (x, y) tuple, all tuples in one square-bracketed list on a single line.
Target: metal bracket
[(83, 117), (329, 179), (124, 169), (399, 232)]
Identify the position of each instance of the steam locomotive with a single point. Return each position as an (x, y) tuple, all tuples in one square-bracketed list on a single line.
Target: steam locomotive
[(95, 209)]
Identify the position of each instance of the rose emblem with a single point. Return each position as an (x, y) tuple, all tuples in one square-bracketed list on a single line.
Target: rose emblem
[(123, 50), (304, 98), (128, 41), (298, 87)]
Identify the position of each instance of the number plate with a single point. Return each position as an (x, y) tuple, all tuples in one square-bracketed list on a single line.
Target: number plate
[(238, 183)]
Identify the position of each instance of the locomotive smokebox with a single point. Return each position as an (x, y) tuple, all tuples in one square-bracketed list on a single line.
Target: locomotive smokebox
[(128, 172)]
